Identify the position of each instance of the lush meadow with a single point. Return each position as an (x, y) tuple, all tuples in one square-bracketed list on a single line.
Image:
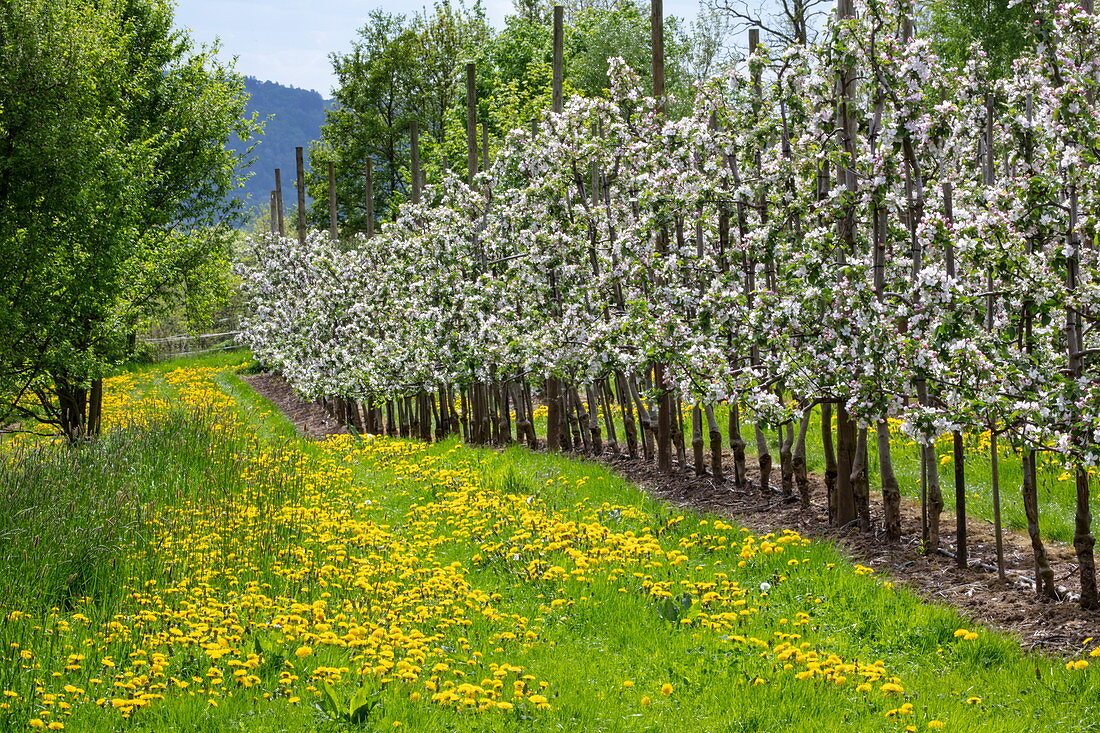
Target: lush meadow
[(201, 568)]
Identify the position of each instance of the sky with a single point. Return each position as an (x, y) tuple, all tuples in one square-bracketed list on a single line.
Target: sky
[(289, 41)]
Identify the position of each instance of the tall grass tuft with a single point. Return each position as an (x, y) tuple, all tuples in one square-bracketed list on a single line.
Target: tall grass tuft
[(68, 514)]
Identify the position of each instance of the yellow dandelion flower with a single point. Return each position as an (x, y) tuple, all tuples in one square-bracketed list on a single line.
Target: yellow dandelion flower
[(666, 689), (936, 724), (646, 701), (303, 651)]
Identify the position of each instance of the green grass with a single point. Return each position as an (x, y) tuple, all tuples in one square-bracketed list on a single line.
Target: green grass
[(203, 538)]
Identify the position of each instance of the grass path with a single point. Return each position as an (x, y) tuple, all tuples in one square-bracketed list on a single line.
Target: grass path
[(240, 578)]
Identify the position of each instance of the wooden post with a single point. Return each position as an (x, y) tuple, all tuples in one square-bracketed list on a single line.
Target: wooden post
[(414, 151), (274, 214), (471, 121), (333, 222), (559, 37), (369, 175), (484, 147), (754, 46), (279, 200), (299, 158), (657, 34)]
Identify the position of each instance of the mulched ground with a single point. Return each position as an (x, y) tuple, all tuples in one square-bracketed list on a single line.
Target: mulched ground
[(1056, 627)]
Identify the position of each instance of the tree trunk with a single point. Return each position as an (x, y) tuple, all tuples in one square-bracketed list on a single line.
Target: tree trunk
[(603, 394), (629, 425), (95, 408), (861, 490), (697, 440), (830, 458), (960, 498), (891, 494), (716, 469), (678, 433), (786, 459), (1084, 542), (553, 415), (595, 434), (664, 419), (845, 461), (995, 481), (1044, 576), (737, 445), (798, 460), (644, 418), (764, 457)]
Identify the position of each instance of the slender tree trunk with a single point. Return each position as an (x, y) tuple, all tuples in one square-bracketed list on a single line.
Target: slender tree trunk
[(391, 424), (798, 460), (644, 418), (995, 481), (594, 431), (861, 489), (960, 498), (786, 459), (891, 494), (737, 445), (664, 419), (604, 396), (934, 497), (403, 418), (697, 440), (1044, 576), (464, 418), (626, 405), (678, 433), (425, 416), (716, 469), (553, 415), (764, 456), (1084, 542), (831, 470), (845, 462), (95, 408)]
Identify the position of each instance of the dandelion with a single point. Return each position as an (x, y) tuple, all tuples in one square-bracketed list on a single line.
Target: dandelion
[(666, 689), (646, 701)]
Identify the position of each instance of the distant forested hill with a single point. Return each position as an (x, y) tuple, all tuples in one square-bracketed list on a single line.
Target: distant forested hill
[(292, 117)]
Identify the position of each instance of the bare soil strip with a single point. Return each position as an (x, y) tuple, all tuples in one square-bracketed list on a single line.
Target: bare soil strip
[(1057, 627)]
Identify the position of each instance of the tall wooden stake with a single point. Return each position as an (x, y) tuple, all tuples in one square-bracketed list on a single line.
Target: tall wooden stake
[(299, 159), (279, 200), (559, 40), (471, 121), (657, 34)]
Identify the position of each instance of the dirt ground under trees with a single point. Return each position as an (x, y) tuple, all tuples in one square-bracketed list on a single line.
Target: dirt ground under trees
[(1053, 626)]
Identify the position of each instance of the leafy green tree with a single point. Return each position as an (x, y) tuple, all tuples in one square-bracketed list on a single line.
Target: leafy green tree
[(1000, 28), (114, 183), (401, 68)]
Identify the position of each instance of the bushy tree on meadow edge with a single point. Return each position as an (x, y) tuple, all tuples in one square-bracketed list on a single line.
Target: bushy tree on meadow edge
[(114, 183)]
